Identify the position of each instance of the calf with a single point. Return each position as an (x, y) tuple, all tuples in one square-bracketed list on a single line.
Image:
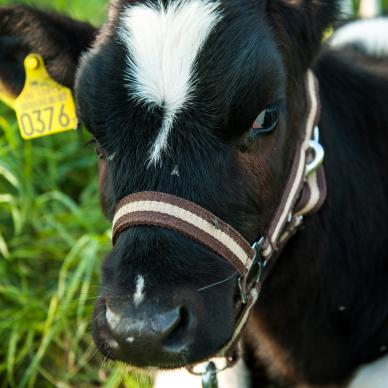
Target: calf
[(169, 91)]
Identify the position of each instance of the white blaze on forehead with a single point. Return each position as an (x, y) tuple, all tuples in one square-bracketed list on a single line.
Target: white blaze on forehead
[(138, 296), (163, 43)]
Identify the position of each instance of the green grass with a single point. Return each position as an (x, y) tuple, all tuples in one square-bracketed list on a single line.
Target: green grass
[(52, 240), (52, 237), (93, 11)]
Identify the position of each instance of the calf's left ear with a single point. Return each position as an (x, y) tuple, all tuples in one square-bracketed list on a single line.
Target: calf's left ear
[(60, 40)]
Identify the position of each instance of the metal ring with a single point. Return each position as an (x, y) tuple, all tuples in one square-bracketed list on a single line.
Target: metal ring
[(193, 369), (319, 154), (209, 378)]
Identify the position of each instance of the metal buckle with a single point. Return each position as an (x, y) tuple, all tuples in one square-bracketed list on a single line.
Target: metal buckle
[(318, 153), (209, 378), (258, 263), (209, 370)]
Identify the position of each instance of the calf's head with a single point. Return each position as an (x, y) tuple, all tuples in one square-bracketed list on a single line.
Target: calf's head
[(169, 91)]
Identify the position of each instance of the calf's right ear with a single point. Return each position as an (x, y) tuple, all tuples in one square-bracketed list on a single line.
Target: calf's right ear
[(60, 40)]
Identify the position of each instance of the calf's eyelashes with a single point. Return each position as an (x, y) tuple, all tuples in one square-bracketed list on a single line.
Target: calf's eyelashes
[(265, 124)]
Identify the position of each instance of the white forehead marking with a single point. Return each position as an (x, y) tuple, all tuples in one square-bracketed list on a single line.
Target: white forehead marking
[(163, 43), (138, 296)]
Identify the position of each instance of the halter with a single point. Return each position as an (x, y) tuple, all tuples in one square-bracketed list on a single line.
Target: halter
[(304, 194)]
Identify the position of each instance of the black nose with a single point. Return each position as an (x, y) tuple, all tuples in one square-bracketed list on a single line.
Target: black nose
[(146, 336)]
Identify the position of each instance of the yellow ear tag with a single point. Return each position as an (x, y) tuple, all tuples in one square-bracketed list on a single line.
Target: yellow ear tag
[(44, 107)]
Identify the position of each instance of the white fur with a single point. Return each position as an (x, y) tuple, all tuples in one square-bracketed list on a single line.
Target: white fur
[(112, 318), (236, 377), (121, 325), (138, 296), (163, 43), (113, 344), (371, 35), (374, 375)]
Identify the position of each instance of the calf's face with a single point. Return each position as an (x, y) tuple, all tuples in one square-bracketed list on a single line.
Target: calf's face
[(169, 91), (169, 105)]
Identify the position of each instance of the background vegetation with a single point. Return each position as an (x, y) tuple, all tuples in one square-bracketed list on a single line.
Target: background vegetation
[(52, 240)]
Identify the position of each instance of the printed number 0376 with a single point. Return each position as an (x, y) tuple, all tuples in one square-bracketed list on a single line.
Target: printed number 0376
[(41, 120)]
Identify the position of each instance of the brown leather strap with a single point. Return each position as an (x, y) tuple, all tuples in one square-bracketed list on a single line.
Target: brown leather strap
[(299, 188), (195, 222)]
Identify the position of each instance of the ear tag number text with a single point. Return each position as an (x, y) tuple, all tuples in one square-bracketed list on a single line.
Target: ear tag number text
[(44, 107)]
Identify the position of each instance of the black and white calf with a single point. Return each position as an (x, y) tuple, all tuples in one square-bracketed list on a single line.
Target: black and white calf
[(170, 90)]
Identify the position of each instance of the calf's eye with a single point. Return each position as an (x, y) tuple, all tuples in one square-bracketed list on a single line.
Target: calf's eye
[(266, 121), (264, 124)]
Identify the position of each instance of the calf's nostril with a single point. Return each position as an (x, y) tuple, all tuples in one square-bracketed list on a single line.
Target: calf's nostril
[(164, 324), (177, 337), (163, 332)]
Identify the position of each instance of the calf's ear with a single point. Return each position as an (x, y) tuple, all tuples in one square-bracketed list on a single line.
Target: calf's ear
[(60, 40), (300, 25)]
